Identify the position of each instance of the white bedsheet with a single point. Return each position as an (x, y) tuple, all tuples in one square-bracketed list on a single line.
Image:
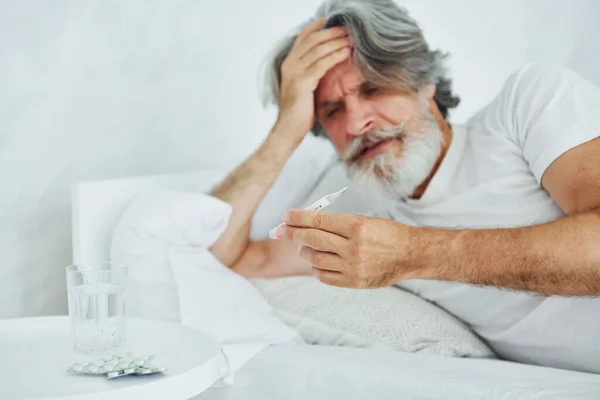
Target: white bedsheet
[(322, 372)]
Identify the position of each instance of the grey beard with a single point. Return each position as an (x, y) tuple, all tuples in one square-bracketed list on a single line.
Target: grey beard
[(396, 177)]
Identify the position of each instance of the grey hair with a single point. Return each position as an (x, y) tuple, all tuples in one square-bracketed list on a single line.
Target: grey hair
[(389, 50)]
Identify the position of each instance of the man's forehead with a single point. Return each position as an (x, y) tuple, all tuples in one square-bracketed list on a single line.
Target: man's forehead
[(338, 83)]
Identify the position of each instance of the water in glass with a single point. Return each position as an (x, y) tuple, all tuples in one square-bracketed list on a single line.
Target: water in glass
[(97, 310)]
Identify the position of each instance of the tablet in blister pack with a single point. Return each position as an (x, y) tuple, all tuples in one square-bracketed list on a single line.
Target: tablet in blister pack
[(117, 365)]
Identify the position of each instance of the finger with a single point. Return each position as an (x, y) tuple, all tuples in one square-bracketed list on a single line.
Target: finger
[(323, 50), (317, 38), (320, 67), (339, 224), (331, 278), (315, 239), (315, 26), (321, 259)]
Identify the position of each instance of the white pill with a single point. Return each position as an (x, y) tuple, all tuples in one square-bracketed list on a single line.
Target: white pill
[(113, 374), (93, 368), (77, 368)]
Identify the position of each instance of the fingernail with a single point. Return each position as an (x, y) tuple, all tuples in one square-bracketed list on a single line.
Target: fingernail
[(280, 231), (286, 217)]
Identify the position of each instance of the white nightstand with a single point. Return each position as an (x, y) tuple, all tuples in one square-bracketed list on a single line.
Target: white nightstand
[(36, 353)]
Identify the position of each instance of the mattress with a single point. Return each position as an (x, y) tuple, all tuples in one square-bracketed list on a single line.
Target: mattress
[(323, 372)]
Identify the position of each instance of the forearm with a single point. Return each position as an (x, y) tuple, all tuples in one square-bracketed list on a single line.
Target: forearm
[(271, 259), (246, 186), (557, 258)]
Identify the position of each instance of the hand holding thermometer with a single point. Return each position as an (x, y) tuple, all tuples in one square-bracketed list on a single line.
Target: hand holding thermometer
[(317, 205)]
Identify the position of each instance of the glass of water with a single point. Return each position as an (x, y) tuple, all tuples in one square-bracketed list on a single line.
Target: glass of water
[(97, 306)]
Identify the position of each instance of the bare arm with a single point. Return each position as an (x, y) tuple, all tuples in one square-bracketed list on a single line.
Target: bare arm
[(313, 53), (271, 259), (246, 186), (560, 257)]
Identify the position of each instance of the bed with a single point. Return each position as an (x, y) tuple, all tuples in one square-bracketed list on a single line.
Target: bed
[(322, 372), (326, 372)]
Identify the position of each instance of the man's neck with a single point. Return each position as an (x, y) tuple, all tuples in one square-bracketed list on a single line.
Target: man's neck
[(447, 138)]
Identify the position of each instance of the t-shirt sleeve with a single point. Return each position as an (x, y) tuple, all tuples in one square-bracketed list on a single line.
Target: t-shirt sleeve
[(548, 110)]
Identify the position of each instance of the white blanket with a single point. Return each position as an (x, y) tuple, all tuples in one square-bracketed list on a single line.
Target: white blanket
[(226, 306), (164, 238), (329, 373)]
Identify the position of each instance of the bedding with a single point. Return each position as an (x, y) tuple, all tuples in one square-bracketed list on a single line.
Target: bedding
[(327, 373), (384, 318), (388, 318), (137, 217), (164, 236), (99, 209), (331, 372)]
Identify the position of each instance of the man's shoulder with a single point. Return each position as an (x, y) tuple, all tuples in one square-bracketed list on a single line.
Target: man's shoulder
[(540, 68), (541, 76), (533, 82)]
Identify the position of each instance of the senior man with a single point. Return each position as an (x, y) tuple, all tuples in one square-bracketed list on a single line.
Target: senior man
[(491, 218)]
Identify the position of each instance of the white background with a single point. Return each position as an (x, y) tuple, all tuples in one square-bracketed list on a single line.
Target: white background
[(100, 89)]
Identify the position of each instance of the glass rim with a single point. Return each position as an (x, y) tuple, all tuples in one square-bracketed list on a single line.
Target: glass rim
[(75, 267)]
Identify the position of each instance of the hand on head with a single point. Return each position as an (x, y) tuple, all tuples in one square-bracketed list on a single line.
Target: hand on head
[(314, 52)]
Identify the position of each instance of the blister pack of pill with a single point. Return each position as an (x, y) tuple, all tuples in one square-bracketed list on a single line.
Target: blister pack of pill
[(117, 365)]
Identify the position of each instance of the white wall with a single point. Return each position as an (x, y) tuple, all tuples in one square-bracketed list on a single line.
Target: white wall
[(98, 89)]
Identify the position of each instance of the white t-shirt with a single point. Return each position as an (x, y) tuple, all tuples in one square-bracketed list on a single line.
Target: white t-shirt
[(490, 177)]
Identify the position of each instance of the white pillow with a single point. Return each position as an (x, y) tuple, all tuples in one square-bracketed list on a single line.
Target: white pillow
[(164, 237), (153, 223), (387, 317), (377, 318), (145, 216), (160, 223), (158, 219)]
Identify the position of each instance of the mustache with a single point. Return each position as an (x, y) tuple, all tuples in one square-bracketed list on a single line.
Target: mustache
[(356, 146)]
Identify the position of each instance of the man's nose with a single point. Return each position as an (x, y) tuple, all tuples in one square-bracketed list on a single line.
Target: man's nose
[(359, 118)]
